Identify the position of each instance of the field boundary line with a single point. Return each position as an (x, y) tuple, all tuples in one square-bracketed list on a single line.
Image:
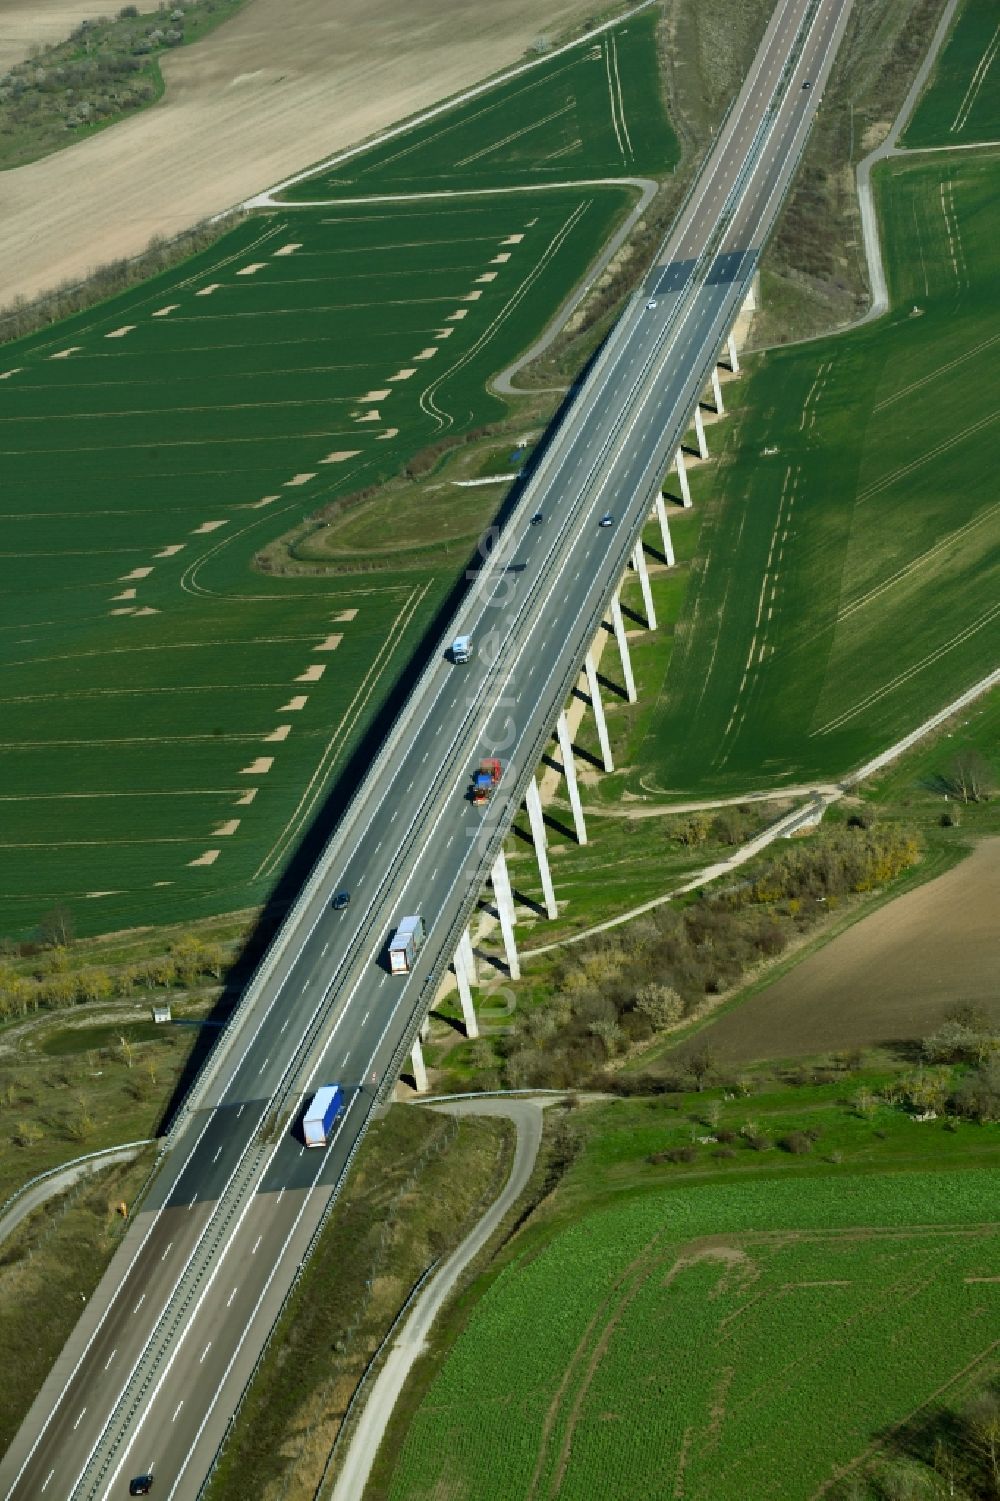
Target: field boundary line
[(263, 200)]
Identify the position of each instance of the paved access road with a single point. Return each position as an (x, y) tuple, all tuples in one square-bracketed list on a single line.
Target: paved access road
[(156, 1366)]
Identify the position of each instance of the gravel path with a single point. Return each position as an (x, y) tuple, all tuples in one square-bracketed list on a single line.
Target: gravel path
[(63, 1178), (411, 1340), (888, 148), (647, 187)]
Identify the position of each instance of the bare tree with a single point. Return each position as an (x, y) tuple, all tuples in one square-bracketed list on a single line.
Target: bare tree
[(56, 930), (970, 777)]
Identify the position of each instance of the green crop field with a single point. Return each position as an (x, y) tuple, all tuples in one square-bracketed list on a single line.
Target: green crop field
[(963, 101), (171, 717), (593, 109), (849, 579), (712, 1342)]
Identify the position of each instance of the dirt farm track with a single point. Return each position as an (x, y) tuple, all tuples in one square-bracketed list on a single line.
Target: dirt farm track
[(281, 85), (889, 977)]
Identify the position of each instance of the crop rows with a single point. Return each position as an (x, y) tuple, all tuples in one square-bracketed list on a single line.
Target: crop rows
[(173, 719), (631, 1351)]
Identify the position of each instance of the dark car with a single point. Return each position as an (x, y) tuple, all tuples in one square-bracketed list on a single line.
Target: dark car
[(340, 901), (537, 519), (807, 84), (607, 519), (141, 1485)]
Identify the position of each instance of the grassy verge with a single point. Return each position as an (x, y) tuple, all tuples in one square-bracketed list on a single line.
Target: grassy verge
[(68, 1088), (49, 1267), (813, 275), (420, 1182)]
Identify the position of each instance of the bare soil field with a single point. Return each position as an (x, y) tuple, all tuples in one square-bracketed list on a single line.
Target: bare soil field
[(281, 85), (25, 23), (890, 977)]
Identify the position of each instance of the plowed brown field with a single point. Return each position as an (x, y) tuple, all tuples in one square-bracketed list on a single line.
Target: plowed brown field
[(281, 85), (890, 977)]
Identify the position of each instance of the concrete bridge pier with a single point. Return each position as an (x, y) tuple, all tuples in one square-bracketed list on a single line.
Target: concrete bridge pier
[(717, 392), (594, 690), (699, 428), (464, 982), (569, 772), (639, 564), (734, 359), (661, 516), (419, 1069), (533, 803), (468, 956), (505, 910), (680, 464), (618, 626)]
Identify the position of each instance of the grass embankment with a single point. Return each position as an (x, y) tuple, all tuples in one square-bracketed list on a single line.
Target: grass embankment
[(594, 1004), (106, 70), (69, 1087), (725, 1324), (849, 531), (49, 1266), (962, 104), (813, 273), (420, 1182)]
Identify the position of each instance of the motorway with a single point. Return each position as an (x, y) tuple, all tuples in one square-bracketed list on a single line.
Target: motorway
[(156, 1367)]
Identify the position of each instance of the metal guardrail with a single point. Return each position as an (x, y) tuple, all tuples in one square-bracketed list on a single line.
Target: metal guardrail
[(176, 1310), (64, 1167)]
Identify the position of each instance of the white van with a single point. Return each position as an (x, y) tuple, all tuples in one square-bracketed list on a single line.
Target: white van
[(462, 649)]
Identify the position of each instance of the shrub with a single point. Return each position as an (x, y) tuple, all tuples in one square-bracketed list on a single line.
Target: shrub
[(796, 1142), (661, 1004), (977, 1095), (957, 1042)]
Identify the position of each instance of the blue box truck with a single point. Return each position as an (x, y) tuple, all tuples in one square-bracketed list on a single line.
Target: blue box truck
[(327, 1104)]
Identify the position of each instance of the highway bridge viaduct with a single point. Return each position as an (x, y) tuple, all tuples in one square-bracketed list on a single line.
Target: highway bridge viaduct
[(157, 1366)]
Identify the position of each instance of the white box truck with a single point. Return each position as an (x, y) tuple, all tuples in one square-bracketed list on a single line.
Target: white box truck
[(327, 1104), (405, 945), (462, 649)]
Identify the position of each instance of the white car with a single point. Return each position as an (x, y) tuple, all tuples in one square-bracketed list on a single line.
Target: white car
[(650, 305)]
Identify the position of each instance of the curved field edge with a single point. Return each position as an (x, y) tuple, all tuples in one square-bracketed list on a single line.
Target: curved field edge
[(680, 1337), (595, 127)]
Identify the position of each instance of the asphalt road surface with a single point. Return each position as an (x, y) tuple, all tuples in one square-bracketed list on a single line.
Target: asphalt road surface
[(155, 1369)]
